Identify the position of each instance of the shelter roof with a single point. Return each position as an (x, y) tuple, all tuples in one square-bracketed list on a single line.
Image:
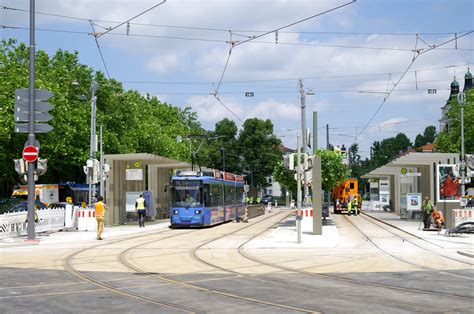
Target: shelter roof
[(148, 159)]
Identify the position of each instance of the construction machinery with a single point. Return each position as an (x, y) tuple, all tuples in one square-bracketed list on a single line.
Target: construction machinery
[(344, 193)]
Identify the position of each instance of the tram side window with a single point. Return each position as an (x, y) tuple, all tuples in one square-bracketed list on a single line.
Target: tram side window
[(207, 196), (228, 195), (216, 195), (239, 195)]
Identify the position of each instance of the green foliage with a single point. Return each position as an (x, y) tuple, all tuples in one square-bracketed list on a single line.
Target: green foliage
[(451, 142), (285, 177), (428, 136), (260, 150), (132, 123), (389, 148), (333, 170), (226, 143)]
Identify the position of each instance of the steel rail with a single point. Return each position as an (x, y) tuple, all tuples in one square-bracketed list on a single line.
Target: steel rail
[(123, 259), (69, 267)]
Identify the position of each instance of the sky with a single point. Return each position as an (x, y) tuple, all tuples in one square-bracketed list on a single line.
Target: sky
[(349, 59)]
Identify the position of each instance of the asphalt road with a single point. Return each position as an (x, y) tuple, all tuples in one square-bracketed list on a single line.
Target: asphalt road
[(216, 270)]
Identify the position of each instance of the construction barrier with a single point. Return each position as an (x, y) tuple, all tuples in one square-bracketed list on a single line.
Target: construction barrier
[(307, 222), (255, 210), (460, 216), (86, 220), (15, 224)]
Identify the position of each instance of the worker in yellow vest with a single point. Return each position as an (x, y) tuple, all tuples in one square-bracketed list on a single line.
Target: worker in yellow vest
[(140, 208), (355, 206)]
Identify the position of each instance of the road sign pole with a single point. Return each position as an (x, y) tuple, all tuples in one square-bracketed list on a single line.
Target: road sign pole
[(92, 141), (298, 192), (462, 101), (31, 126)]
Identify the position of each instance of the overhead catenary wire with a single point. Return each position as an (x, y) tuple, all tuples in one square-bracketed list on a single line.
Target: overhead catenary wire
[(130, 19), (308, 44), (235, 44), (416, 55), (217, 29), (100, 51)]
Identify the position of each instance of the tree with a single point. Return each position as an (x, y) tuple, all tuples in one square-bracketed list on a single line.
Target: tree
[(389, 148), (260, 149), (285, 177), (450, 142), (428, 136), (132, 123), (332, 168), (225, 147), (333, 172)]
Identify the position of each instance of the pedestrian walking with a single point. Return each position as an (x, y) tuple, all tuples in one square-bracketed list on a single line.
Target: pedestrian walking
[(100, 208), (427, 208), (140, 208)]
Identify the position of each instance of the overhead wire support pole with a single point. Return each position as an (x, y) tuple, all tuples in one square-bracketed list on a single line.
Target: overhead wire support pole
[(92, 151), (31, 126), (111, 29)]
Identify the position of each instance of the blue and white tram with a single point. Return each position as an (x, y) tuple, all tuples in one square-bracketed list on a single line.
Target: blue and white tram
[(206, 198)]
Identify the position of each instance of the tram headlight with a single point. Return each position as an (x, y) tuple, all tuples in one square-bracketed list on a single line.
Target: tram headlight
[(176, 212), (197, 212)]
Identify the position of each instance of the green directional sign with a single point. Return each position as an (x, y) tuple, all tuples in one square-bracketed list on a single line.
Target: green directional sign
[(39, 128)]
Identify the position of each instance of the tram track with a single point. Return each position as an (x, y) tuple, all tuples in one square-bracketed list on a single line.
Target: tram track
[(241, 251), (69, 267), (289, 269), (123, 259), (404, 239)]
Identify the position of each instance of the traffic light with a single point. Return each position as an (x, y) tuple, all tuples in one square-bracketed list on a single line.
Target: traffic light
[(95, 171), (41, 166), (20, 166), (292, 162)]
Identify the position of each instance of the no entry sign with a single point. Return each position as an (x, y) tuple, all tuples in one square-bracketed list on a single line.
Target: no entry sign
[(30, 153)]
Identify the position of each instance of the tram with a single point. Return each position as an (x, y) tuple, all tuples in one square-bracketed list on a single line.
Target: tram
[(206, 198)]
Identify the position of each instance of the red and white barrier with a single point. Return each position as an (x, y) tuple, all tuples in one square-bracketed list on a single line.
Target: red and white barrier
[(460, 216), (86, 220), (307, 222)]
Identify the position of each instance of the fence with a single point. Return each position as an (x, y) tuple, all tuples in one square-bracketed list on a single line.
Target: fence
[(15, 224)]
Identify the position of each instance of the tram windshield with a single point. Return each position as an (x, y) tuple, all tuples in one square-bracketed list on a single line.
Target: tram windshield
[(187, 193)]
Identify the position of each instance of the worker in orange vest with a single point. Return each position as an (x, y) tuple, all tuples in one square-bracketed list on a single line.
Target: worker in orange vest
[(99, 216)]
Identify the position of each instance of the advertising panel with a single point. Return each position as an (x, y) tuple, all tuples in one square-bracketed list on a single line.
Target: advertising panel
[(448, 183), (413, 201)]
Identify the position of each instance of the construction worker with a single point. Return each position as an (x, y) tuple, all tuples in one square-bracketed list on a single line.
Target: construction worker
[(355, 205), (343, 151), (99, 216), (258, 200), (140, 208), (349, 207)]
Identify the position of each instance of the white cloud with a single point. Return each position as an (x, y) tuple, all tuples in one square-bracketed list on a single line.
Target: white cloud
[(164, 64)]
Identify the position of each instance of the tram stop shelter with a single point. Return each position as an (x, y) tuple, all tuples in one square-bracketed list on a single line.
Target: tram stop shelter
[(132, 174), (413, 173)]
